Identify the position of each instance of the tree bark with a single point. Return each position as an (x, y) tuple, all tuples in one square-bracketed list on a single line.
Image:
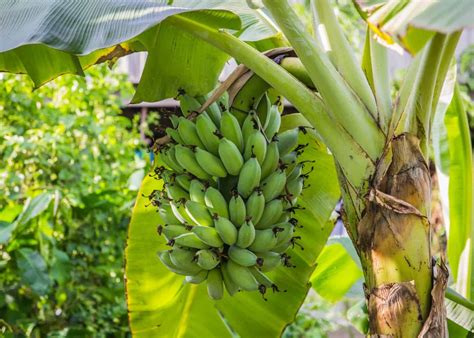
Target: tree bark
[(404, 289)]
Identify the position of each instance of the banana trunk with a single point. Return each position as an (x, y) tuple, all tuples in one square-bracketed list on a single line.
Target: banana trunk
[(404, 297)]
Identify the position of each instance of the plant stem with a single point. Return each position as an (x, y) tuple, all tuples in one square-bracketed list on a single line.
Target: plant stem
[(352, 158), (346, 107)]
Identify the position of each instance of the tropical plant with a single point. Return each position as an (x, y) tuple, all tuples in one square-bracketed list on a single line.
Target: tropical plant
[(63, 215), (379, 147)]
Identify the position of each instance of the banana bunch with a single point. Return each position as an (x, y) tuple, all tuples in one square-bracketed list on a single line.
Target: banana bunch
[(228, 195)]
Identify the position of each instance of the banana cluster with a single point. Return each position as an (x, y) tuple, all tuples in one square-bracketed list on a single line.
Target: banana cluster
[(229, 192)]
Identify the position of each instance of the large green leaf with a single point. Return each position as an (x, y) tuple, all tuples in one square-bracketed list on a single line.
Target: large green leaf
[(411, 23), (160, 304)]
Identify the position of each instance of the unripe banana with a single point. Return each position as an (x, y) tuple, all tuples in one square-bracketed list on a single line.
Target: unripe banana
[(230, 129), (290, 159), (199, 213), (188, 104), (184, 260), (241, 276), (271, 260), (261, 278), (246, 235), (285, 233), (206, 131), (226, 230), (209, 236), (230, 157), (207, 259), (184, 181), (230, 286), (237, 210), (249, 177), (172, 230), (263, 109), (271, 161), (188, 133), (214, 113), (265, 240), (295, 173), (187, 160), (250, 124), (175, 192), (295, 187), (256, 145), (166, 260), (167, 214), (242, 257), (274, 185), (169, 159), (190, 240), (271, 214), (282, 247), (210, 163), (273, 122), (255, 206), (287, 141), (174, 135), (198, 278), (197, 191), (179, 210), (215, 286), (216, 202)]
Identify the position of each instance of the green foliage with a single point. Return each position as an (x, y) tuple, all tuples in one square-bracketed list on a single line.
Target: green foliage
[(66, 157)]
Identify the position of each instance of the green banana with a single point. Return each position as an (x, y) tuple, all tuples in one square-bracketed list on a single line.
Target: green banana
[(230, 286), (196, 191), (241, 276), (172, 230), (175, 192), (174, 135), (237, 210), (184, 259), (273, 122), (188, 133), (287, 140), (261, 278), (265, 240), (263, 108), (271, 260), (206, 131), (169, 159), (216, 202), (184, 181), (249, 177), (295, 187), (214, 113), (274, 185), (188, 104), (190, 240), (187, 160), (242, 257), (255, 205), (198, 278), (207, 259), (230, 156), (295, 173), (210, 163), (226, 230), (230, 129), (215, 286), (282, 247), (199, 213), (246, 235), (256, 145), (272, 157), (209, 236), (250, 124), (271, 214), (167, 214), (285, 233), (179, 210), (166, 260)]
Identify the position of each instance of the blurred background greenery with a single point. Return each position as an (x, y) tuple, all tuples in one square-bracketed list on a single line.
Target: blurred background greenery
[(70, 166)]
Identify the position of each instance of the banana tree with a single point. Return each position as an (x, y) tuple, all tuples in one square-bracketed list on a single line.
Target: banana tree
[(379, 146)]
